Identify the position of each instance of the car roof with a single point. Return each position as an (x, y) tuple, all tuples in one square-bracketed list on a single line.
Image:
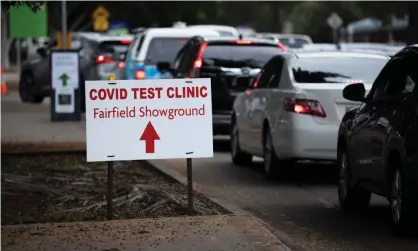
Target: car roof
[(232, 39), (102, 37), (184, 32), (340, 54), (279, 35), (216, 27)]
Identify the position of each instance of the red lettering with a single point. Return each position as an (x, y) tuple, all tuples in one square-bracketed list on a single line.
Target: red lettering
[(92, 92), (187, 92), (169, 92), (110, 94), (142, 93), (135, 92), (203, 92)]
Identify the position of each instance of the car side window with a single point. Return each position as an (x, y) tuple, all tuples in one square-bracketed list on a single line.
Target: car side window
[(277, 68), (183, 56), (380, 86), (264, 78)]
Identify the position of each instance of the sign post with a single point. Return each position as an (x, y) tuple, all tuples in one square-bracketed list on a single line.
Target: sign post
[(149, 119), (65, 86), (335, 22)]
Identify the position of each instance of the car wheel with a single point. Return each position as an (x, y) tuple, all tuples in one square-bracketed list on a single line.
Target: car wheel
[(403, 206), (350, 197), (238, 156), (273, 167), (26, 83)]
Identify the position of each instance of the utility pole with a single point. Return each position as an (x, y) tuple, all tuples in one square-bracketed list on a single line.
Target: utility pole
[(64, 23)]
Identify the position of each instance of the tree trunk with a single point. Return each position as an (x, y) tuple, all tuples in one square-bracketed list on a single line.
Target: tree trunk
[(277, 24), (412, 30)]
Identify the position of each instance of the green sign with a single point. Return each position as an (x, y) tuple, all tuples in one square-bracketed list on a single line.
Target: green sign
[(64, 79), (24, 23)]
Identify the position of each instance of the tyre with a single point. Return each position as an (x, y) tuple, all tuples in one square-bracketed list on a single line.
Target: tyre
[(403, 205), (238, 156), (26, 84), (350, 197), (273, 167)]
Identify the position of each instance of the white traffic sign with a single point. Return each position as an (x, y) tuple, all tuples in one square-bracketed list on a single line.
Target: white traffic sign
[(148, 119), (65, 79), (334, 21)]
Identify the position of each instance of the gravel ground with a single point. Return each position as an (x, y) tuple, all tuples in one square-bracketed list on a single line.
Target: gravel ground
[(64, 188)]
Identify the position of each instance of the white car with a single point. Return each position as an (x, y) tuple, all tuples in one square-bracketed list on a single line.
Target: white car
[(224, 31), (294, 107), (156, 45), (293, 41)]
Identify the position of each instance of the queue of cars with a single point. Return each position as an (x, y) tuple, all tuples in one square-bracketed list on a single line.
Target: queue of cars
[(357, 107)]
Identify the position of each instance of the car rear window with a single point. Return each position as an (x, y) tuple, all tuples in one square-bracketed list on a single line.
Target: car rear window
[(336, 69), (238, 56), (294, 43), (164, 49), (114, 47)]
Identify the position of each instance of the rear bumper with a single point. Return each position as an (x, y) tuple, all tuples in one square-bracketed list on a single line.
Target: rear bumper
[(306, 139), (221, 124)]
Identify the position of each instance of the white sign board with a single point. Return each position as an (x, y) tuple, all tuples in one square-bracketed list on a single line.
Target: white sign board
[(148, 119), (334, 21), (65, 79)]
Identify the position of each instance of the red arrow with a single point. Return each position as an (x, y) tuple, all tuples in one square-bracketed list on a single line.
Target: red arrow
[(149, 135)]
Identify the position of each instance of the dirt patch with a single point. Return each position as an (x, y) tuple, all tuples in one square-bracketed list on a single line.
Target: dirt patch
[(64, 188)]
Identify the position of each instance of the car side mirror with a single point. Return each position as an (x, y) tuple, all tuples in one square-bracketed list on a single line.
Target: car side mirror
[(355, 92), (165, 67), (41, 51)]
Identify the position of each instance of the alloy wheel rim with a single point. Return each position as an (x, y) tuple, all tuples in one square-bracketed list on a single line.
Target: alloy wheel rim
[(396, 197), (267, 154), (343, 177)]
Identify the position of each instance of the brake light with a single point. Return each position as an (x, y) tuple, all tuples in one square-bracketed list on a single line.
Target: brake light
[(304, 106), (255, 84), (102, 59), (140, 74), (125, 41), (198, 62), (282, 47), (121, 64), (243, 42)]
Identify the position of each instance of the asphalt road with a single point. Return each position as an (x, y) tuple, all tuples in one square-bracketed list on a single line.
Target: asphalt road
[(304, 208)]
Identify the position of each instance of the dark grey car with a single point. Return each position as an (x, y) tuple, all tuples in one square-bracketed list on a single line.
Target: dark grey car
[(100, 55)]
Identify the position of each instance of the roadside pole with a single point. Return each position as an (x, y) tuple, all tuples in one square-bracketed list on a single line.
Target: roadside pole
[(335, 22), (64, 24), (144, 119), (110, 178), (189, 187)]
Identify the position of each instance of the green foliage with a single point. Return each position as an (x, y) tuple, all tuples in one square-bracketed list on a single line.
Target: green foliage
[(33, 5)]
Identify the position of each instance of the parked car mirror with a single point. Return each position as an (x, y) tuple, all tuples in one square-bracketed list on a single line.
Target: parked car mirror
[(355, 92), (41, 51)]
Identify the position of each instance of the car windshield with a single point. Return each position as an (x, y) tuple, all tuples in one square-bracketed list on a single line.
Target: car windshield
[(238, 56), (295, 43), (337, 69), (164, 49)]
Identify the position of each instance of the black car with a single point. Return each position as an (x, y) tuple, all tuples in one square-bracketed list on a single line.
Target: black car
[(99, 56), (378, 143), (231, 63)]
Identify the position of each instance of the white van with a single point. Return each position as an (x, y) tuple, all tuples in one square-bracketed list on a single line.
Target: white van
[(156, 45)]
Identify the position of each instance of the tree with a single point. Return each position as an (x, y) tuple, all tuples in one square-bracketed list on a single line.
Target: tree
[(33, 5)]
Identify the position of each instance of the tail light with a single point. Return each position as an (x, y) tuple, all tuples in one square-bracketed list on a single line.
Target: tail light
[(243, 42), (140, 74), (304, 106), (199, 61), (127, 41), (282, 47), (102, 59), (121, 65)]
